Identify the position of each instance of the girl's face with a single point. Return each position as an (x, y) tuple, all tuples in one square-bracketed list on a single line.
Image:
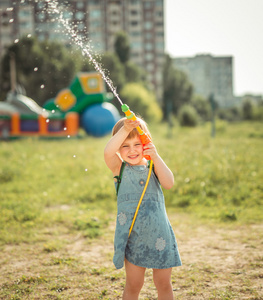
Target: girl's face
[(132, 151)]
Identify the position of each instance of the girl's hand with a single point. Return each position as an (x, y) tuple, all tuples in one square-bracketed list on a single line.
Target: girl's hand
[(149, 149), (129, 125)]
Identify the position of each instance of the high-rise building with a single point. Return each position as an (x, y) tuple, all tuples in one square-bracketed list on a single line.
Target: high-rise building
[(210, 75), (96, 21)]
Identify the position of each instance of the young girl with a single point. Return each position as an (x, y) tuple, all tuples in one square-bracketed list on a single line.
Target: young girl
[(152, 243)]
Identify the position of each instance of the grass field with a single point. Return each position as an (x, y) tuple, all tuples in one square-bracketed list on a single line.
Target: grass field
[(58, 205)]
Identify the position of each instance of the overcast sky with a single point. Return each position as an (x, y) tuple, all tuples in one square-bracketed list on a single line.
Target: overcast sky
[(220, 28)]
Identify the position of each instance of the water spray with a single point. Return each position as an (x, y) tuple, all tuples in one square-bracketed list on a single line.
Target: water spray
[(53, 6)]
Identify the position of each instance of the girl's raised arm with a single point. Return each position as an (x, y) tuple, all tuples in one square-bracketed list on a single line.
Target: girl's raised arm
[(111, 157)]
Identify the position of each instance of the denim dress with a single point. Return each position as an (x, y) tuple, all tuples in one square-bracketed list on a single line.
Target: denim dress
[(152, 243)]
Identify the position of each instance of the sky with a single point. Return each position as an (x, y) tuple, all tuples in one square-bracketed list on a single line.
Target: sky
[(220, 28)]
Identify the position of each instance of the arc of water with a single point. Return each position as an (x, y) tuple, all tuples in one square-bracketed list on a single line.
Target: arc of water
[(53, 7)]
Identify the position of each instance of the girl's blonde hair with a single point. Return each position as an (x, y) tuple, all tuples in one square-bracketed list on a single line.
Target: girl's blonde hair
[(134, 132)]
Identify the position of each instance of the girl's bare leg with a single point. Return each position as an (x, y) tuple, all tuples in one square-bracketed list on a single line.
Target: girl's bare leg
[(134, 281), (162, 281)]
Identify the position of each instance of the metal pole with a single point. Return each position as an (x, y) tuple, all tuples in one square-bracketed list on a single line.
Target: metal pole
[(12, 72)]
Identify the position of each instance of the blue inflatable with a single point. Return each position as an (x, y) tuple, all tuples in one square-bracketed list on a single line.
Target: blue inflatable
[(99, 119)]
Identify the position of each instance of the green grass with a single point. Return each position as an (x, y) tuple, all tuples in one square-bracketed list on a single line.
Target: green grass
[(45, 182), (56, 194)]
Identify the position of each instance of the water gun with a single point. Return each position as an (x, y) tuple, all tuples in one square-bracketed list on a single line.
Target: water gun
[(145, 139)]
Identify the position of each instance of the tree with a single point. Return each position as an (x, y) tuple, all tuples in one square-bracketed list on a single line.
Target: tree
[(141, 100), (248, 108), (202, 107), (43, 68), (133, 73), (177, 90), (188, 116), (122, 47), (113, 69)]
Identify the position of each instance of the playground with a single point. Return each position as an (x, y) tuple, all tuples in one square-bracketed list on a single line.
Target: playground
[(85, 103)]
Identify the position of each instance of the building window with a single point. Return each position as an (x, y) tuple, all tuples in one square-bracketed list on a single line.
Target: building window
[(150, 67), (160, 33), (81, 26), (148, 46), (159, 2), (67, 15), (136, 45), (135, 33), (41, 5), (147, 4), (148, 56), (148, 36), (134, 12), (80, 5), (148, 25), (41, 16), (134, 23), (94, 2), (95, 13), (95, 24), (79, 15), (159, 45), (160, 23)]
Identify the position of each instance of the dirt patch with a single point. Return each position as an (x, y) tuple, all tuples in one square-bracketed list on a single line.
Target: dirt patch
[(219, 262)]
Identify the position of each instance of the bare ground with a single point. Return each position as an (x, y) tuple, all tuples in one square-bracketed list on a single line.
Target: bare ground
[(219, 262)]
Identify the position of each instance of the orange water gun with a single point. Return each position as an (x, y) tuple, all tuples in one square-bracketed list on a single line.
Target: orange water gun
[(145, 139)]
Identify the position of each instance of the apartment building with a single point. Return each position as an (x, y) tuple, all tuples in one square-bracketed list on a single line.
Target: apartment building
[(96, 21), (210, 75)]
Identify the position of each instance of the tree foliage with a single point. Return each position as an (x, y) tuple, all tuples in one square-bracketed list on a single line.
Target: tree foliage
[(248, 109), (141, 101), (177, 89), (122, 47), (188, 116), (202, 107), (43, 68)]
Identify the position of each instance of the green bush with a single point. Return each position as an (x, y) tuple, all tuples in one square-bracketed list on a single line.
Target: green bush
[(139, 98), (248, 109), (258, 114), (188, 116)]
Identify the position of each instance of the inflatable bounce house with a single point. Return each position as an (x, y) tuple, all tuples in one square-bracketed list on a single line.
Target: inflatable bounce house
[(84, 103)]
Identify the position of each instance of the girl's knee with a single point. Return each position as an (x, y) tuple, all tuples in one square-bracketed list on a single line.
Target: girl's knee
[(163, 284), (162, 280), (134, 286)]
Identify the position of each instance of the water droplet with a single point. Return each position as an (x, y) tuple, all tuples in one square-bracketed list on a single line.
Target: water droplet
[(47, 120), (16, 41), (86, 170), (35, 69), (29, 35), (65, 128), (74, 156), (9, 9), (68, 136), (42, 86), (53, 111), (11, 20)]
